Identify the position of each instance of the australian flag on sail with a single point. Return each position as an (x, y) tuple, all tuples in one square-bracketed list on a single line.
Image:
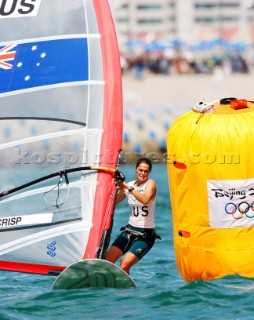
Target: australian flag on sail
[(44, 63)]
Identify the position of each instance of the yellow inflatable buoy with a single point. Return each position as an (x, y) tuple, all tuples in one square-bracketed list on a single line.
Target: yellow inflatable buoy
[(211, 176)]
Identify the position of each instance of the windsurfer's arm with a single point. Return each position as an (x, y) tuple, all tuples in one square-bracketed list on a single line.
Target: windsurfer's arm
[(149, 192), (121, 194)]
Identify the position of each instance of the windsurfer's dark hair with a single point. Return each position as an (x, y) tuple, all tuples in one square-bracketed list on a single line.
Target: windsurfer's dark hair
[(144, 160)]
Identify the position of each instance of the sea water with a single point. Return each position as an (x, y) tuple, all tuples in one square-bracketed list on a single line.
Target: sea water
[(160, 294)]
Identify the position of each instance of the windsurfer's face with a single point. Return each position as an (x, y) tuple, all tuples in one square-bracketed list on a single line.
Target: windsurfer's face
[(142, 172)]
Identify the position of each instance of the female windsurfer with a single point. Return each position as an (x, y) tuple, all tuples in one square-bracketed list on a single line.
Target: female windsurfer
[(138, 236)]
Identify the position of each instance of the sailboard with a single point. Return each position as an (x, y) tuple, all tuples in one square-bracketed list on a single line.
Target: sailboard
[(60, 132), (95, 273)]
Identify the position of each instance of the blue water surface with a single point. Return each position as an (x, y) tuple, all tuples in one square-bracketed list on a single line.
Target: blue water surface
[(160, 294)]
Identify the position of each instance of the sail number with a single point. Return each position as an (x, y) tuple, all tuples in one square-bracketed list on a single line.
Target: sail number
[(136, 211), (18, 8)]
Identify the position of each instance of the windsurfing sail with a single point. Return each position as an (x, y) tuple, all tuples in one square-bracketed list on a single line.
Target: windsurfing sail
[(60, 132)]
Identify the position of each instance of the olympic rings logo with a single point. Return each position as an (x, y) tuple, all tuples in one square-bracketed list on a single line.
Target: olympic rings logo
[(237, 211)]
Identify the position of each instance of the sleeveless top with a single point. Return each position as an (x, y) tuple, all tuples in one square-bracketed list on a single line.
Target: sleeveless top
[(141, 216)]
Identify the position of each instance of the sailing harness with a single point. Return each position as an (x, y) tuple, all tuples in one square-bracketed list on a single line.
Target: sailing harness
[(146, 235)]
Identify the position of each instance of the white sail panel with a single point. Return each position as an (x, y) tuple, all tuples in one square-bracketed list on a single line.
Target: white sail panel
[(54, 18)]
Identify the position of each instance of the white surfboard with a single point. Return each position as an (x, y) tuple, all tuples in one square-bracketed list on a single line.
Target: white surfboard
[(96, 273)]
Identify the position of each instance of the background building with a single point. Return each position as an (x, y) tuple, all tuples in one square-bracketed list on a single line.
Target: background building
[(188, 20), (194, 47)]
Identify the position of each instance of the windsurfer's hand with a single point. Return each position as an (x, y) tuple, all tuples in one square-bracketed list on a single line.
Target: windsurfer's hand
[(120, 184), (119, 176)]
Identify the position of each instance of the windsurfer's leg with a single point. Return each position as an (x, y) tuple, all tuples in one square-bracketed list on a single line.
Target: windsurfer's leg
[(128, 261), (113, 254), (138, 249), (118, 247)]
